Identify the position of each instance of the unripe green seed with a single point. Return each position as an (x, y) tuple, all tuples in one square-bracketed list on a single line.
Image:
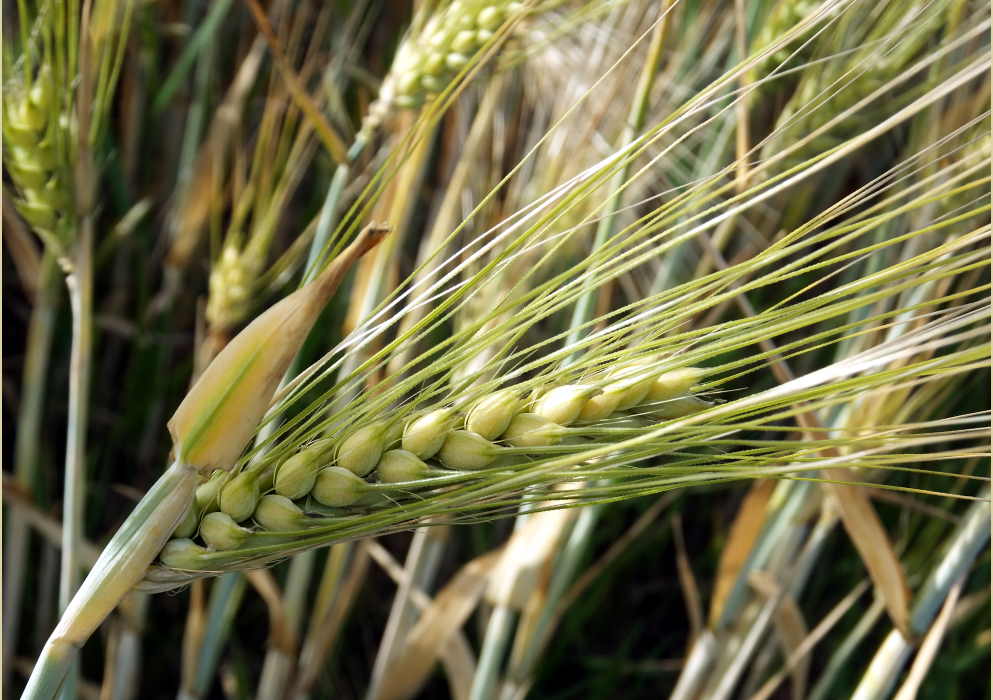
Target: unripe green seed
[(295, 477), (321, 450), (456, 61), (492, 414), (464, 42), (673, 383), (182, 553), (400, 465), (278, 513), (432, 83), (632, 384), (188, 525), (489, 17), (239, 496), (467, 450), (680, 406), (602, 405), (206, 494), (532, 430), (563, 404), (221, 532), (361, 450), (338, 487), (425, 435)]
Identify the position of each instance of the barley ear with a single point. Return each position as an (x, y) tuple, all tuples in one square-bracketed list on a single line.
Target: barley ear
[(220, 413)]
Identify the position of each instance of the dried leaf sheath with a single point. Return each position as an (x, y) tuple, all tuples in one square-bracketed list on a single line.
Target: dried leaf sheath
[(220, 413)]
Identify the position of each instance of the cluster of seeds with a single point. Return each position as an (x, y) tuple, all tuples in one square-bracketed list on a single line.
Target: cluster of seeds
[(31, 156), (231, 285), (380, 462), (783, 17), (427, 62)]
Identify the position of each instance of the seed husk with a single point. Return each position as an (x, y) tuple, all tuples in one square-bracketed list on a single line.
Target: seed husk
[(563, 404), (467, 450), (602, 405), (399, 466), (221, 532), (360, 451), (425, 435), (278, 513), (632, 386), (182, 553), (673, 383), (338, 487), (239, 496), (491, 415), (680, 406), (532, 430), (296, 476)]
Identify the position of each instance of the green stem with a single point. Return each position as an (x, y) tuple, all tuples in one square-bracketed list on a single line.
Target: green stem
[(491, 658), (201, 40), (121, 565), (26, 454), (225, 599), (80, 284)]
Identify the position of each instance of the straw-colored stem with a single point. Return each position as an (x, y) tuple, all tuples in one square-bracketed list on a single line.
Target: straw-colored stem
[(120, 566), (29, 414), (80, 284), (420, 568), (278, 664), (971, 536), (843, 652)]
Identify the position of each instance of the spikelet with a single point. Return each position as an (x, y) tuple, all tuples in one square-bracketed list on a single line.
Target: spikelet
[(563, 404), (239, 496), (31, 125), (491, 415), (231, 287), (364, 468), (221, 532), (532, 430), (425, 435), (278, 513), (360, 451), (182, 553), (400, 465), (428, 60), (338, 487), (296, 476)]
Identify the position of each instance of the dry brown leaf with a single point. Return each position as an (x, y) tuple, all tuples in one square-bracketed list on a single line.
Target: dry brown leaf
[(873, 544), (745, 530), (451, 607), (456, 655), (529, 550)]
